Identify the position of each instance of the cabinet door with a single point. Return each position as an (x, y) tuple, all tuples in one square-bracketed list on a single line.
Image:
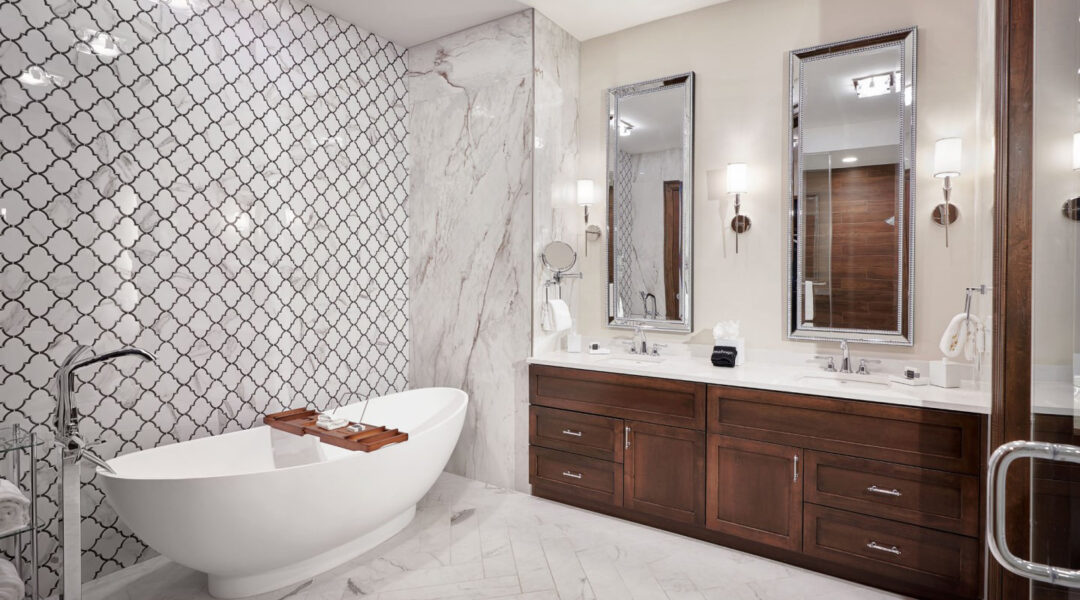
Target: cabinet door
[(664, 471), (754, 491)]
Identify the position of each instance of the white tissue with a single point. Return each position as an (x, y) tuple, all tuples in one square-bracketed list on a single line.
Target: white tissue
[(726, 330), (560, 314), (11, 584), (14, 507)]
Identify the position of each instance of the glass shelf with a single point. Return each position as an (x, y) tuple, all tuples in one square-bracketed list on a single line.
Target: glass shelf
[(13, 437)]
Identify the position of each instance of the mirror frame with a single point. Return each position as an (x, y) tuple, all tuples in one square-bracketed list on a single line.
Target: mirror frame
[(685, 80), (907, 41)]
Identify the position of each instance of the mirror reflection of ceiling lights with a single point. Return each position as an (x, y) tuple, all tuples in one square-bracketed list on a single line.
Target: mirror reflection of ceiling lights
[(625, 128), (849, 159), (877, 85)]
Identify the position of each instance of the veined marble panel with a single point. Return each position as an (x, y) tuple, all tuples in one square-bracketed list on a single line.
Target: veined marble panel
[(471, 181), (556, 216)]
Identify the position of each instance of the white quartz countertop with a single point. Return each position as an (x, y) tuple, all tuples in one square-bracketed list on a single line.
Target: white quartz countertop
[(778, 377)]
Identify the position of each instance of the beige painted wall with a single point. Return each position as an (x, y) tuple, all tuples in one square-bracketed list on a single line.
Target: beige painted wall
[(739, 51)]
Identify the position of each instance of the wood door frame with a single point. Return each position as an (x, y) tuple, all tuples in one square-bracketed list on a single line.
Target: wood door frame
[(672, 250), (1011, 400)]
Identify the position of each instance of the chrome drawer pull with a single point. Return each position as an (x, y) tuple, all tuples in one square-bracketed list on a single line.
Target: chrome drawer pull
[(895, 493), (571, 474), (880, 548), (573, 433)]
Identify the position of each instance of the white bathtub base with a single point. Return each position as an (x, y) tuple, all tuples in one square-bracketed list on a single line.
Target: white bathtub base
[(244, 586)]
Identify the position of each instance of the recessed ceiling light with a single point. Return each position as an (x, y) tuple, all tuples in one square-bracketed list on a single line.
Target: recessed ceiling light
[(625, 128), (849, 159)]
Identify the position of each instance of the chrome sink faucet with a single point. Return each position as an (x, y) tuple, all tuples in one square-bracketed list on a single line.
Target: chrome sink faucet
[(73, 450), (640, 344), (845, 357)]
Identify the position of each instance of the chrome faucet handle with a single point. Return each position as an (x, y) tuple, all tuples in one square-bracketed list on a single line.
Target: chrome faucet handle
[(863, 370), (656, 349), (829, 366)]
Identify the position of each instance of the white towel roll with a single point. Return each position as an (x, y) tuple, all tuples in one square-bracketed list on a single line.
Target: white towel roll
[(560, 313), (11, 584)]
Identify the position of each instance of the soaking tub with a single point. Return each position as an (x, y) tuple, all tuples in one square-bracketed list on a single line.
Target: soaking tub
[(228, 506)]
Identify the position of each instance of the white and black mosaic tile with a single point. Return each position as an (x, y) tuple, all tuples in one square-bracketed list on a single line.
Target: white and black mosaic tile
[(228, 191)]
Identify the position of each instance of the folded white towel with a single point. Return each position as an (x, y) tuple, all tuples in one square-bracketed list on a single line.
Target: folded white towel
[(11, 584), (560, 314), (955, 336)]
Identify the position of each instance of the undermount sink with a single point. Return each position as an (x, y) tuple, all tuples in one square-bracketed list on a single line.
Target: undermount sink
[(638, 360), (844, 380), (875, 384)]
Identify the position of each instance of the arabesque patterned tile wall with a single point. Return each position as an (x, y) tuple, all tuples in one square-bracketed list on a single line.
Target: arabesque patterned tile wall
[(229, 192)]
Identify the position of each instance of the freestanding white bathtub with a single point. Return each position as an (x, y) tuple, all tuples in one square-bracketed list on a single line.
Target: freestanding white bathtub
[(220, 505)]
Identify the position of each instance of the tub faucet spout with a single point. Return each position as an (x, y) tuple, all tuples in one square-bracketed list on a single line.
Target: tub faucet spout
[(73, 450)]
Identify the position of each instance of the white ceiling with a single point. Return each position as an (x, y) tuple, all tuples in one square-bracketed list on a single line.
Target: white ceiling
[(412, 22)]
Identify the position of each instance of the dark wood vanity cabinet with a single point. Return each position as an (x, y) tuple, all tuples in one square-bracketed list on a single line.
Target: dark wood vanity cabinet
[(663, 472), (754, 491), (885, 495)]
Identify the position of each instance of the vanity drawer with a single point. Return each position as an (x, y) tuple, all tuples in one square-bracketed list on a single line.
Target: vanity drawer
[(942, 563), (923, 497), (660, 401), (576, 476), (920, 437), (591, 435)]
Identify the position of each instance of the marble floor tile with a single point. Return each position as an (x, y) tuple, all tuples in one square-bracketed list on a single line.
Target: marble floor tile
[(470, 540)]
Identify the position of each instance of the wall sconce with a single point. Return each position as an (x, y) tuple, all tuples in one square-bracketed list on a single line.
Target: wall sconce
[(586, 196), (947, 157), (1071, 208), (736, 184)]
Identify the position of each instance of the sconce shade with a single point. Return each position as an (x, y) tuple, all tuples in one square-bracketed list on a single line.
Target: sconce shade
[(736, 178), (947, 155), (1076, 151), (585, 192)]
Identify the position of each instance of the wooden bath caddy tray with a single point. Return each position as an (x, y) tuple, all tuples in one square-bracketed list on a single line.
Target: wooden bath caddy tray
[(301, 421)]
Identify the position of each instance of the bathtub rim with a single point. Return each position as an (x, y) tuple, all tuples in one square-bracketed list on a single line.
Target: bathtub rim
[(461, 408)]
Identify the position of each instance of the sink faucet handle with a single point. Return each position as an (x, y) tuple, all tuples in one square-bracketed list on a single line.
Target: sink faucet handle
[(656, 348), (863, 370), (830, 365)]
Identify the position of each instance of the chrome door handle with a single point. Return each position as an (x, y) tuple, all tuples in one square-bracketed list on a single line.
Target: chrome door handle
[(795, 469), (895, 493), (890, 549), (996, 470), (571, 474), (626, 436), (573, 433)]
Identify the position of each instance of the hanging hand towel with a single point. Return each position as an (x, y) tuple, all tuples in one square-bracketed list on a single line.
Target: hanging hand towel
[(955, 336), (808, 301), (547, 319), (560, 314)]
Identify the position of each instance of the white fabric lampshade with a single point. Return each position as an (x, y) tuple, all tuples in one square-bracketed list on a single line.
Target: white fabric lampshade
[(948, 153), (585, 192), (736, 178)]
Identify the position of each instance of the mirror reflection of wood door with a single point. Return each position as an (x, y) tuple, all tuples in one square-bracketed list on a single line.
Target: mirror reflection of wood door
[(672, 247)]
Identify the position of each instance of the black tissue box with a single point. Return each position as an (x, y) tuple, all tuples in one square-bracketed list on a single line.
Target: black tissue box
[(724, 356)]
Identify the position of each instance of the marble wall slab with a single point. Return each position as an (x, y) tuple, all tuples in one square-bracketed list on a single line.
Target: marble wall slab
[(470, 205), (556, 215), (229, 193)]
